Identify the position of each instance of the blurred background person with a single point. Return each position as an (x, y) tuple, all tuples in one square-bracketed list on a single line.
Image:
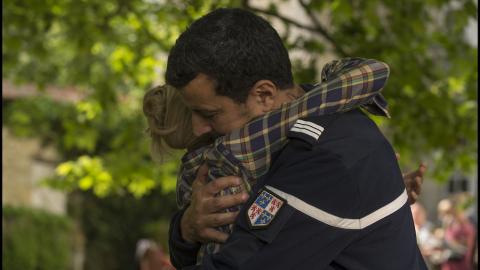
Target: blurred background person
[(427, 241), (458, 236), (150, 256)]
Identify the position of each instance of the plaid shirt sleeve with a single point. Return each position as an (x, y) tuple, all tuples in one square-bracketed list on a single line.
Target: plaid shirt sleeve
[(377, 105), (247, 152)]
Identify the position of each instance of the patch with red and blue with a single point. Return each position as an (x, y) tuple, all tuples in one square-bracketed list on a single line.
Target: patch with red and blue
[(264, 209)]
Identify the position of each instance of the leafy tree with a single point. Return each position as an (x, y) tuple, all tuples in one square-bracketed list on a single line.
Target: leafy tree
[(432, 90), (112, 51), (33, 239), (113, 224)]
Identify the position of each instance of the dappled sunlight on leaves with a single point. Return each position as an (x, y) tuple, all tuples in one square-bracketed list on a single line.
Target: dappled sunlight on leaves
[(112, 52)]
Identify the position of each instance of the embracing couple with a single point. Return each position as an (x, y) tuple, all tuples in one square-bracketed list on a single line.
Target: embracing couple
[(279, 175)]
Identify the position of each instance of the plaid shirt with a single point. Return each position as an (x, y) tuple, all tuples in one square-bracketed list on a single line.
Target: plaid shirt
[(247, 152)]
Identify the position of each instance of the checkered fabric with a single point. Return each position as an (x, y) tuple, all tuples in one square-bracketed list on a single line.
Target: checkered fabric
[(247, 152)]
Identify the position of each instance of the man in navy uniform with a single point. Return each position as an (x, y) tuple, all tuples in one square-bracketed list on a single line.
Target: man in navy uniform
[(334, 198)]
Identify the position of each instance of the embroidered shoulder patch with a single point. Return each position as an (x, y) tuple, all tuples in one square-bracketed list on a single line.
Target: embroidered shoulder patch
[(263, 209)]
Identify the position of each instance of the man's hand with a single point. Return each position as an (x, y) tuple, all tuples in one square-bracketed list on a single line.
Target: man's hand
[(203, 214)]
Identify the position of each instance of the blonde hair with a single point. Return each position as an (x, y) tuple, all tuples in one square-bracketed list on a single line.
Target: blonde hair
[(169, 121)]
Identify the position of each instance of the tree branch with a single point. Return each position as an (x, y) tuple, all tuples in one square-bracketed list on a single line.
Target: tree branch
[(316, 29), (321, 29)]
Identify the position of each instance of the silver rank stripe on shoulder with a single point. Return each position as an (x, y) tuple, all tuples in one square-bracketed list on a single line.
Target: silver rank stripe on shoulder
[(309, 128)]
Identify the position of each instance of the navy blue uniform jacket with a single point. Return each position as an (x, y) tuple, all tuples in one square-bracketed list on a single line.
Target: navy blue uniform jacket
[(344, 205)]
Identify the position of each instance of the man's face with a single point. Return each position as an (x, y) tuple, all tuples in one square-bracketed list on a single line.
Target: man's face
[(214, 113)]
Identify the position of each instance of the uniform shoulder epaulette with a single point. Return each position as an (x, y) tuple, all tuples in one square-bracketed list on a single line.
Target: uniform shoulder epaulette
[(310, 129)]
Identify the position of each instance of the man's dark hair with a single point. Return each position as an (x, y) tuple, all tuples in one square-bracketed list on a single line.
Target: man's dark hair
[(234, 47)]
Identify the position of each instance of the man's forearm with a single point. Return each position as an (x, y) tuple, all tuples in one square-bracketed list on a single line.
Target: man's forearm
[(182, 253)]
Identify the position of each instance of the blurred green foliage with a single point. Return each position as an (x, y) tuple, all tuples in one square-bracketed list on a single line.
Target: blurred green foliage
[(113, 224), (114, 50), (35, 240)]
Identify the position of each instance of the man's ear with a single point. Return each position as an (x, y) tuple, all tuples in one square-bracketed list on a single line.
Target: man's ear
[(263, 95)]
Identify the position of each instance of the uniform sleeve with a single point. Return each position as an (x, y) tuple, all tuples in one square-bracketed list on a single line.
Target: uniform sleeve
[(181, 252), (292, 240)]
